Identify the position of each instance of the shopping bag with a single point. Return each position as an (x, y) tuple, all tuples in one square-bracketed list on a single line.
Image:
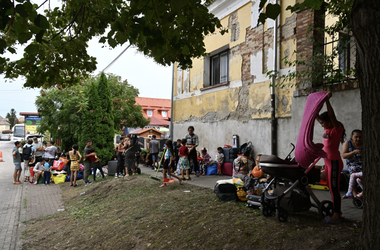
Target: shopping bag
[(58, 178), (58, 165)]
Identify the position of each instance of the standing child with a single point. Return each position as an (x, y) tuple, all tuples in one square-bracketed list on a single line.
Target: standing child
[(334, 134), (169, 160), (95, 163), (205, 160), (184, 160), (75, 158), (219, 158), (47, 173)]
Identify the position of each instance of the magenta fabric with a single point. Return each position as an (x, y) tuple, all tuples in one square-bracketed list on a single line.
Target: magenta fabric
[(306, 150)]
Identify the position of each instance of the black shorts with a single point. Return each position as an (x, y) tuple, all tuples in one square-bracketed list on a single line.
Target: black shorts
[(166, 164)]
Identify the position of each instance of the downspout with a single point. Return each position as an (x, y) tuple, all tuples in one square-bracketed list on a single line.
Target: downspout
[(171, 107), (272, 91)]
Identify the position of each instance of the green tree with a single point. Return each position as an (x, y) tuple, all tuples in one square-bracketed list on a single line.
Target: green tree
[(56, 41), (12, 118), (106, 135), (362, 18), (62, 110), (92, 116)]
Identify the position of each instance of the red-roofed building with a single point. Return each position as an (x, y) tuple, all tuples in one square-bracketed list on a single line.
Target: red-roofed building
[(148, 132), (155, 108)]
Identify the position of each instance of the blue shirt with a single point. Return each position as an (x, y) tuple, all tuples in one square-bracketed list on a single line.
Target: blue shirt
[(47, 166)]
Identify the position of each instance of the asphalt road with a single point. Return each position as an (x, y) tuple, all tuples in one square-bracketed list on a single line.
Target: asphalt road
[(10, 201)]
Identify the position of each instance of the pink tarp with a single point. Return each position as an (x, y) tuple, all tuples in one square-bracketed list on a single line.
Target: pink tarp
[(306, 150)]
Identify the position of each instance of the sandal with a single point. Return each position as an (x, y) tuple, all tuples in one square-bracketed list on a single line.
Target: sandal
[(162, 186), (329, 220)]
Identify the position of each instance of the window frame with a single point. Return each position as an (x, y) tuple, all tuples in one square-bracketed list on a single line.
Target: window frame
[(166, 113), (147, 112), (219, 55)]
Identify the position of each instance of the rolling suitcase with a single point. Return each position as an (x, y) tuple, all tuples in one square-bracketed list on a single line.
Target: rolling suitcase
[(112, 168)]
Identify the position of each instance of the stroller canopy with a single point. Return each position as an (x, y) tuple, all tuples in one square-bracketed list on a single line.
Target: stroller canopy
[(306, 150)]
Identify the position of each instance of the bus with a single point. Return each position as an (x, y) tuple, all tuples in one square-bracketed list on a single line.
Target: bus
[(18, 131)]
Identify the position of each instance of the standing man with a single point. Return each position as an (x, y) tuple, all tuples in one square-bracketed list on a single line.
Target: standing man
[(51, 152), (40, 149), (153, 150), (17, 162), (192, 143), (87, 162)]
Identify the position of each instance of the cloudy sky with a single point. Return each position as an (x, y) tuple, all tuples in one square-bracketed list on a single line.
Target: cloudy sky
[(151, 79)]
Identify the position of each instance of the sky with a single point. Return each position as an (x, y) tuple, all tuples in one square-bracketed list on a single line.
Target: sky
[(151, 79)]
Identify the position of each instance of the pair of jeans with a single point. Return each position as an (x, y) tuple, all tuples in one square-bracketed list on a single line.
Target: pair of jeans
[(47, 175)]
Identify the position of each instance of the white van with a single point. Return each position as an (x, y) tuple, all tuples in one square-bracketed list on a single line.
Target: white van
[(18, 132)]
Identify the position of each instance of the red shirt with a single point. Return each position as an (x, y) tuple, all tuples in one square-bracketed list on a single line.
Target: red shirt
[(184, 151), (92, 158), (331, 140)]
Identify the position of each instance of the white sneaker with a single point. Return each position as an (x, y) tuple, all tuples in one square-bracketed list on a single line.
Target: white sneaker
[(35, 183), (115, 176)]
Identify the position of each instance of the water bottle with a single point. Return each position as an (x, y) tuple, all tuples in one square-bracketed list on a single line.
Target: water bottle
[(258, 189)]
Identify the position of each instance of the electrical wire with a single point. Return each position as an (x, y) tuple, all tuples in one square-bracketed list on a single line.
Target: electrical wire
[(114, 60)]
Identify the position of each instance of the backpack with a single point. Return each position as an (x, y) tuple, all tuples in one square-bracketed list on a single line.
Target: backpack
[(26, 152)]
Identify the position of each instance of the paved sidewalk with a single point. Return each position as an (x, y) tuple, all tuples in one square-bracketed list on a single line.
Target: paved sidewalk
[(209, 181), (20, 203)]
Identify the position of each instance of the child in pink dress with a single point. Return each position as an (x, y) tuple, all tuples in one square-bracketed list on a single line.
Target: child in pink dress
[(334, 134)]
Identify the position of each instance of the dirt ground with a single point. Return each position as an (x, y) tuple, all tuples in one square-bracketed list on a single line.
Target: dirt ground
[(134, 213)]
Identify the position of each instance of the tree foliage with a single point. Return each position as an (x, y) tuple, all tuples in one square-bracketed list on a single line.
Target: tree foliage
[(12, 118), (63, 111), (56, 41)]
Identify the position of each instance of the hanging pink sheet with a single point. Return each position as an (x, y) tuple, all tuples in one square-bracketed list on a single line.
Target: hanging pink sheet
[(306, 150)]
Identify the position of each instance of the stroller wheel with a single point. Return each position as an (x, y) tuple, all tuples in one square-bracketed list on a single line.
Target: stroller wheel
[(325, 208), (266, 210), (358, 203), (281, 214)]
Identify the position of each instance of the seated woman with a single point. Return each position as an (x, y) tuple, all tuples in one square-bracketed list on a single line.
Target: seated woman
[(242, 167), (352, 152)]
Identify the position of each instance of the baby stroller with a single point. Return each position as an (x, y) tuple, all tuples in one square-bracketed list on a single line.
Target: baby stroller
[(288, 189)]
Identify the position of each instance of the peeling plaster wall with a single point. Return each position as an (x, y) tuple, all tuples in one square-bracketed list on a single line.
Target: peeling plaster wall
[(243, 106), (213, 134)]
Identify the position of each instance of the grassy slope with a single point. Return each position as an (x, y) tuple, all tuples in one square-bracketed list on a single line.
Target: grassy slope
[(135, 214)]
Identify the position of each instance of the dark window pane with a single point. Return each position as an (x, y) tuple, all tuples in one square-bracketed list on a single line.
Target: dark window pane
[(215, 71)]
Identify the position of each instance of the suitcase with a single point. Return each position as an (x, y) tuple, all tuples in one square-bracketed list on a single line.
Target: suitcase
[(112, 168), (226, 192), (230, 154), (227, 169)]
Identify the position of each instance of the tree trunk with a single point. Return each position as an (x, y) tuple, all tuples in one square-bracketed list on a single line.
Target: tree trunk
[(365, 23)]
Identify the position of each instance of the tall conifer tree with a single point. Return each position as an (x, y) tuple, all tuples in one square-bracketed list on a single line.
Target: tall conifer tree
[(91, 118), (105, 141)]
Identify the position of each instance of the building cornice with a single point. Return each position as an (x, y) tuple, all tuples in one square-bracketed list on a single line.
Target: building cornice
[(222, 8)]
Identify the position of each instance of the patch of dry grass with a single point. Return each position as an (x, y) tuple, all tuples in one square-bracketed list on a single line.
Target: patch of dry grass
[(135, 214)]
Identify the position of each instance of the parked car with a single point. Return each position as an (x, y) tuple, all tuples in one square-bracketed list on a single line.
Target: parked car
[(5, 137)]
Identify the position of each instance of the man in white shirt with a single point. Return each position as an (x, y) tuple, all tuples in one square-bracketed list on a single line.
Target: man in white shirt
[(51, 152), (39, 149)]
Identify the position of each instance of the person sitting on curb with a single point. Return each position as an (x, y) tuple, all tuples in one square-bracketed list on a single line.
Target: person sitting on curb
[(17, 162), (38, 170)]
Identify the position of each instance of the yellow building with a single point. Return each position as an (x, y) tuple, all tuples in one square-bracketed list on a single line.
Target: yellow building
[(228, 91)]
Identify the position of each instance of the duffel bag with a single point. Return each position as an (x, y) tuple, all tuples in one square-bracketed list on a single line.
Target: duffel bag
[(226, 192)]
